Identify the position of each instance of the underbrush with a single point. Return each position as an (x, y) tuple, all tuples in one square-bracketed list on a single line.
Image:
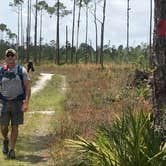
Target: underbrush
[(130, 140), (93, 96)]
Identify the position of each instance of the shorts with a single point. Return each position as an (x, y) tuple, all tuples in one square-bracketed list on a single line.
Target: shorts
[(11, 113)]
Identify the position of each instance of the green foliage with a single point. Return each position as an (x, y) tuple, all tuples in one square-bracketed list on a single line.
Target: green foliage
[(16, 3), (120, 54), (42, 5), (98, 97), (3, 27), (143, 92), (141, 63), (129, 141), (52, 10), (122, 94)]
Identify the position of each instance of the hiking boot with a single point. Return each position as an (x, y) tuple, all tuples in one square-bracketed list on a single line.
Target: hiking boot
[(11, 154), (5, 148)]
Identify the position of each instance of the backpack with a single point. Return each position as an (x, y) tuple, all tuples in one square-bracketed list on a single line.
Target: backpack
[(20, 74)]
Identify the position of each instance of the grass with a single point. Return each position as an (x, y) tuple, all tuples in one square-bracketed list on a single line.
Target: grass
[(49, 98)]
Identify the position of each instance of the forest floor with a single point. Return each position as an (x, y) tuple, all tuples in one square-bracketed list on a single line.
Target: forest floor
[(35, 136)]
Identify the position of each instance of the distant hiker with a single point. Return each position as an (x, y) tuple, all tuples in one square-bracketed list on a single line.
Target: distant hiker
[(30, 66), (15, 91)]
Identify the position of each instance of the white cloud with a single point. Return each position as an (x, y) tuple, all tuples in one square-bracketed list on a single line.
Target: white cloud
[(115, 25)]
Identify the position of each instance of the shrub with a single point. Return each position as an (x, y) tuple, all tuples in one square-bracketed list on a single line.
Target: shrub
[(129, 141)]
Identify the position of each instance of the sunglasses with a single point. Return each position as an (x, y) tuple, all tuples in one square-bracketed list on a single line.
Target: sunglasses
[(8, 55)]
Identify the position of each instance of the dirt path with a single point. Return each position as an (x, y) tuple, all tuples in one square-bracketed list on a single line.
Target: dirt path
[(35, 143), (40, 84), (43, 131)]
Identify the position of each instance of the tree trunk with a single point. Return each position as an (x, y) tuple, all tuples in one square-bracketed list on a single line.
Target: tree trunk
[(96, 31), (150, 35), (102, 36), (30, 20), (18, 33), (128, 26), (41, 24), (160, 65), (22, 33), (78, 28), (66, 58), (28, 30), (86, 36), (73, 27), (35, 33), (57, 60)]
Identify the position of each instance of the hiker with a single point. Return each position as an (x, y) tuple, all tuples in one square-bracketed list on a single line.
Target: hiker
[(30, 66), (15, 90)]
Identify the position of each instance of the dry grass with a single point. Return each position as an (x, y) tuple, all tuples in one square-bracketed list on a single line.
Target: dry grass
[(93, 96)]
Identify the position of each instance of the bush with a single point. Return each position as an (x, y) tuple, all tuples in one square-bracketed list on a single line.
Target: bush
[(129, 141)]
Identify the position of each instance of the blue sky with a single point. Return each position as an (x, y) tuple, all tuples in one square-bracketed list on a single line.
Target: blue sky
[(115, 25)]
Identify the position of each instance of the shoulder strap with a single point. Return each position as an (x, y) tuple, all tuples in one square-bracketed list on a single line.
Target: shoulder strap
[(20, 74), (1, 76), (19, 69), (1, 72)]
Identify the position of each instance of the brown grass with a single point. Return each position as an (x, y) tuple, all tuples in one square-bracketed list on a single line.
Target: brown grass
[(93, 96)]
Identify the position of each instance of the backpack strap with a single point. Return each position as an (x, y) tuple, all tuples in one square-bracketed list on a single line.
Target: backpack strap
[(1, 76), (1, 73), (19, 71), (20, 74)]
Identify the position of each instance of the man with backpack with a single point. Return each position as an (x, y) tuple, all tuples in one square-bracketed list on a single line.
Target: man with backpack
[(15, 91)]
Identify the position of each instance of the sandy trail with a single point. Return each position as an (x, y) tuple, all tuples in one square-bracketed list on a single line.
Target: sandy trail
[(43, 132), (41, 83)]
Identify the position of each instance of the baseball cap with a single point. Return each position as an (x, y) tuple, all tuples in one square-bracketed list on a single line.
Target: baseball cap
[(10, 51)]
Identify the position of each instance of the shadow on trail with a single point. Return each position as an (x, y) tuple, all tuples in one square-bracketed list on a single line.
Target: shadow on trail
[(34, 143), (32, 146), (33, 159)]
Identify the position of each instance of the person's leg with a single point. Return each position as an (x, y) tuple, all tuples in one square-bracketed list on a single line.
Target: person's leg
[(13, 140), (4, 131), (14, 135), (4, 122), (16, 120)]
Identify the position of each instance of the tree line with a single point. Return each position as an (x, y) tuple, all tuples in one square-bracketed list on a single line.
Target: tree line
[(23, 38)]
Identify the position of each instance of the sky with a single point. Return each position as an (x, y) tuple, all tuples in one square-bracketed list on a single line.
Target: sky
[(115, 23)]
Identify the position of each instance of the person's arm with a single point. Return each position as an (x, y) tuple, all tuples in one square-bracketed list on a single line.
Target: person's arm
[(27, 85)]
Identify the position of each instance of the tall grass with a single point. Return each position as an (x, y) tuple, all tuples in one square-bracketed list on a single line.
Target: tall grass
[(129, 141), (92, 97)]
